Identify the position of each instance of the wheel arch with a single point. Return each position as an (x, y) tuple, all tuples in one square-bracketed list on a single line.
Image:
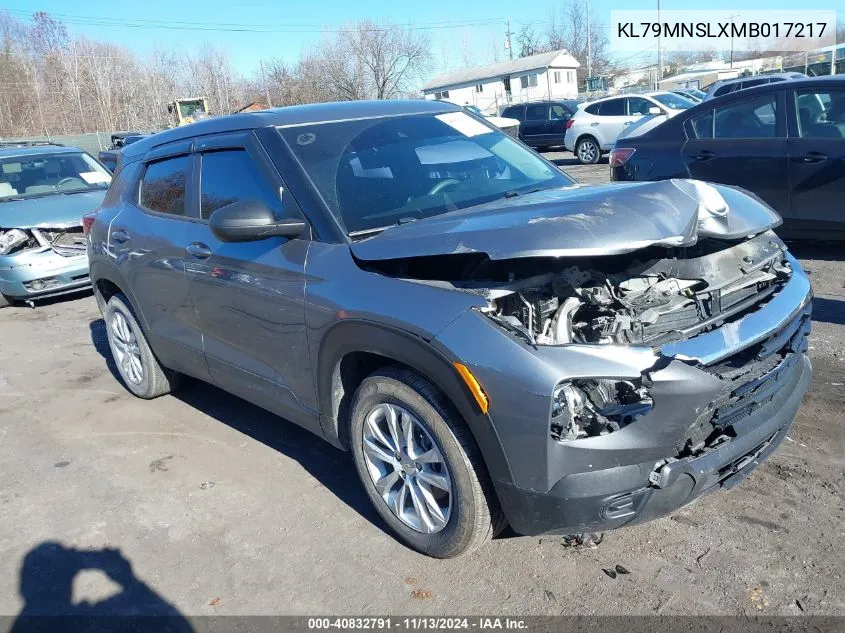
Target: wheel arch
[(354, 349), (106, 282)]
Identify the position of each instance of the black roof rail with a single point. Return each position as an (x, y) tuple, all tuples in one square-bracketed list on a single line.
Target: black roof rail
[(29, 143)]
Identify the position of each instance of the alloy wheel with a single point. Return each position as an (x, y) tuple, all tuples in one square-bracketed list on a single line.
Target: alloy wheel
[(407, 468), (127, 354), (587, 151)]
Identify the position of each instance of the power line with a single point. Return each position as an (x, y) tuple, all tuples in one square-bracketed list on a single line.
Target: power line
[(232, 27)]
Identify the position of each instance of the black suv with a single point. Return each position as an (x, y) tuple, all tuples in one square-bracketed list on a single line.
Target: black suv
[(492, 344), (542, 124)]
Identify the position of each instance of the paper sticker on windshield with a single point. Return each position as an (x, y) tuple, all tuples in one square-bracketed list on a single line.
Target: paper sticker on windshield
[(94, 177), (464, 123)]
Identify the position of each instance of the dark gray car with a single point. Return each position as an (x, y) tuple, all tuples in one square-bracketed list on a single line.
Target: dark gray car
[(492, 342)]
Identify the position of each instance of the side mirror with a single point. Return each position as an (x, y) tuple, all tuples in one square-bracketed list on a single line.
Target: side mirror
[(655, 110), (250, 220), (170, 108)]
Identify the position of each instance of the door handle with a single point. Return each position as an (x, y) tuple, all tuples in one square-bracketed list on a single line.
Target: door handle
[(198, 250), (594, 124), (627, 123), (704, 155), (120, 236), (813, 157)]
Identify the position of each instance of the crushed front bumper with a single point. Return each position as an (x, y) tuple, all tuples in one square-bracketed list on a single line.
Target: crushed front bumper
[(609, 498), (37, 274)]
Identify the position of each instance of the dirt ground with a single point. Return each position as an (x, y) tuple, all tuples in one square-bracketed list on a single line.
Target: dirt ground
[(208, 505)]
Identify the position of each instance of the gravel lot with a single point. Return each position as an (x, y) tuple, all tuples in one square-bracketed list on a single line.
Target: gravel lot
[(222, 508)]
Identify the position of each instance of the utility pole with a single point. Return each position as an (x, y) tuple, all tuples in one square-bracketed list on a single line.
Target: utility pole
[(659, 49), (732, 39), (589, 43), (264, 81), (508, 44)]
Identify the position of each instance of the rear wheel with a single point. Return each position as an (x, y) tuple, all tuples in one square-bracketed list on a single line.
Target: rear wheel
[(140, 370), (420, 465), (588, 151)]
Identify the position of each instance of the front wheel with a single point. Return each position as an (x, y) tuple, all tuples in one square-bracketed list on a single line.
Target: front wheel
[(588, 151), (420, 465)]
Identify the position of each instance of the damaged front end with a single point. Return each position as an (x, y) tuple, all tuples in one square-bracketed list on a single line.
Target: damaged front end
[(40, 261), (636, 378)]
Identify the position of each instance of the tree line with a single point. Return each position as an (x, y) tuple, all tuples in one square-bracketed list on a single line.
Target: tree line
[(54, 84)]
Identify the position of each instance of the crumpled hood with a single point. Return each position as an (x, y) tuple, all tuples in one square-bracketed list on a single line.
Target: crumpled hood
[(581, 220), (50, 211)]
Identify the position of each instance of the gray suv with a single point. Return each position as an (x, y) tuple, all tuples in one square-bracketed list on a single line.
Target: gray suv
[(493, 343)]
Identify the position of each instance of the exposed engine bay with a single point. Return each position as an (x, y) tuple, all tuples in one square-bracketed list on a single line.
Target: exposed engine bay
[(651, 297), (68, 241)]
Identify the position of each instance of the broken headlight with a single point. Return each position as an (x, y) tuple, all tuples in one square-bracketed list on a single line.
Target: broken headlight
[(10, 240), (596, 406)]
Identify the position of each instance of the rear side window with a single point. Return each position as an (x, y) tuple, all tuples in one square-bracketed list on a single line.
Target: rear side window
[(614, 107), (229, 176), (701, 126), (821, 113), (559, 112), (750, 83), (163, 185), (513, 112), (537, 112), (749, 118), (592, 109)]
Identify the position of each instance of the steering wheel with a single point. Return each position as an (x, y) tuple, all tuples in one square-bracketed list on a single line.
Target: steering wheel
[(443, 184), (67, 181)]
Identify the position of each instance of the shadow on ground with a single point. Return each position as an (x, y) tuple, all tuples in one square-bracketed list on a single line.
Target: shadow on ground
[(46, 587), (330, 466), (829, 310)]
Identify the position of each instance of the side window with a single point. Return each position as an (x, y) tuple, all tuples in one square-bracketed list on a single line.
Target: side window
[(821, 113), (751, 118), (229, 176), (559, 112), (513, 112), (592, 109), (614, 107), (638, 105), (537, 112), (723, 90), (701, 126), (163, 185)]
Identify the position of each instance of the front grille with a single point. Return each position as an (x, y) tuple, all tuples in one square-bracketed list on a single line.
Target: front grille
[(68, 241), (752, 378)]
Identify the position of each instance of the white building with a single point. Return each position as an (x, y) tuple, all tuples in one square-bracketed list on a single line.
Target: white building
[(549, 75)]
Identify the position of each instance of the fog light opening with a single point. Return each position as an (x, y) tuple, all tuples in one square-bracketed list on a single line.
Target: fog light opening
[(596, 407)]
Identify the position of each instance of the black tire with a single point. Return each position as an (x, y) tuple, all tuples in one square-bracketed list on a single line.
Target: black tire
[(155, 380), (588, 157), (475, 514)]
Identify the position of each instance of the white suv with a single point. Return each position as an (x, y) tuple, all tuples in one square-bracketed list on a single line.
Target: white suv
[(595, 127)]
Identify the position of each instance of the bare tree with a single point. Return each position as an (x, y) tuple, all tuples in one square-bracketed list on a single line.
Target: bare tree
[(567, 28), (530, 42)]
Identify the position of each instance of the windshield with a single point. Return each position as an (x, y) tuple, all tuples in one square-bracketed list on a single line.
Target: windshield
[(373, 173), (39, 175), (697, 93), (671, 100), (192, 109)]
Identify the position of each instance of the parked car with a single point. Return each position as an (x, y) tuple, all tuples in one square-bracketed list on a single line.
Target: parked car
[(44, 191), (542, 124), (727, 86), (785, 142), (693, 94), (119, 140), (594, 128), (509, 126), (492, 344)]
